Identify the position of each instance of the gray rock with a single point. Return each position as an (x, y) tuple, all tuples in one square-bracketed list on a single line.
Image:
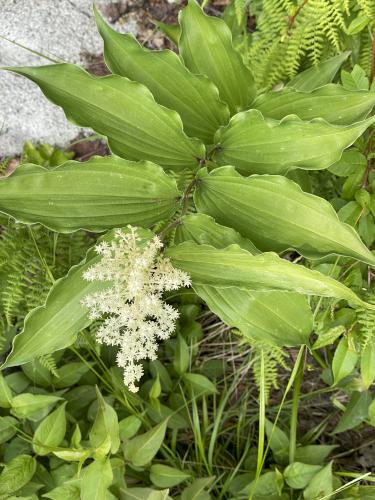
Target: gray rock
[(61, 29)]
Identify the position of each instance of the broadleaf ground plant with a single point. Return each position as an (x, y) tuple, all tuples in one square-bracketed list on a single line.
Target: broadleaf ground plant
[(225, 209)]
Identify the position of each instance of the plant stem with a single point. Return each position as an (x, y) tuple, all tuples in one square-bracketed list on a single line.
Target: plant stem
[(262, 423), (294, 413)]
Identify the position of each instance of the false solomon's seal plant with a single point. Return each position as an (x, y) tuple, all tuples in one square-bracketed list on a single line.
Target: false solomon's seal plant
[(202, 163)]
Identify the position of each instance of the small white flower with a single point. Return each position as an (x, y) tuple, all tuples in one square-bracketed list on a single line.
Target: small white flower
[(135, 315)]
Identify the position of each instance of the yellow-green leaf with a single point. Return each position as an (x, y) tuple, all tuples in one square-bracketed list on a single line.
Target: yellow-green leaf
[(332, 102), (50, 432), (276, 214), (140, 450), (281, 318), (233, 266), (255, 144), (206, 48), (96, 195), (124, 111), (194, 97)]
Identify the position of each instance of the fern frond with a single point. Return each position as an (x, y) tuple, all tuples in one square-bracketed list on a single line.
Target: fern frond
[(273, 358), (366, 323), (48, 361)]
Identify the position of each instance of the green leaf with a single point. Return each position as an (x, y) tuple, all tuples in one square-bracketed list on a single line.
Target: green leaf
[(194, 97), (233, 266), (331, 102), (319, 74), (159, 495), (279, 317), (276, 214), (314, 454), (50, 432), (171, 31), (16, 474), (164, 476), (329, 337), (71, 455), (278, 442), (6, 394), (298, 475), (320, 485), (8, 428), (32, 405), (368, 364), (199, 384), (124, 111), (105, 425), (65, 491), (129, 426), (344, 361), (37, 373), (96, 479), (356, 79), (97, 195), (206, 48), (69, 374), (203, 229), (266, 487), (371, 414), (254, 144), (350, 162), (56, 324), (140, 450), (181, 358), (196, 490), (355, 413)]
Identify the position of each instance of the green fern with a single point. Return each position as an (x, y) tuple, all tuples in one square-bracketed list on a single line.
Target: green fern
[(29, 260), (366, 323), (273, 357), (291, 35), (48, 361)]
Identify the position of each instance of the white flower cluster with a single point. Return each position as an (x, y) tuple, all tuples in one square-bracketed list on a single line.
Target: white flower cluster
[(135, 314)]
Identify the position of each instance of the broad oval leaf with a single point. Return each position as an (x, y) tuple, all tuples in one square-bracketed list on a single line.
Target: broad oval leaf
[(233, 266), (31, 406), (255, 144), (298, 475), (319, 74), (344, 361), (368, 364), (203, 229), (332, 102), (6, 394), (96, 479), (164, 476), (105, 426), (16, 474), (8, 428), (50, 432), (194, 97), (276, 214), (68, 490), (97, 195), (125, 112), (277, 317), (140, 450), (206, 48), (281, 318), (321, 484), (199, 384), (56, 324)]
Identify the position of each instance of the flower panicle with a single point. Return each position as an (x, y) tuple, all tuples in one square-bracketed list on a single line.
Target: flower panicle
[(135, 316)]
